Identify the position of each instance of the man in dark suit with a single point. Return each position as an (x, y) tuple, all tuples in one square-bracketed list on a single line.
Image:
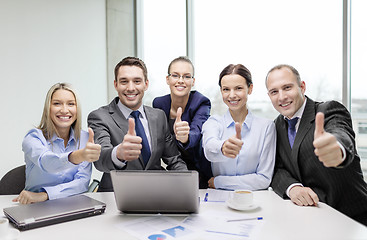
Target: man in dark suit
[(132, 136), (316, 157)]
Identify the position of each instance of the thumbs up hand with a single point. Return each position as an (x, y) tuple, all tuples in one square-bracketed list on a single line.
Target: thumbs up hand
[(131, 130), (181, 128), (232, 146), (326, 147), (130, 147), (91, 135), (91, 151)]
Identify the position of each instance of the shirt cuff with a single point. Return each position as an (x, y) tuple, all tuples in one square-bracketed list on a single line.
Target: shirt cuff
[(118, 163), (292, 185), (214, 152), (65, 158), (53, 192), (343, 150)]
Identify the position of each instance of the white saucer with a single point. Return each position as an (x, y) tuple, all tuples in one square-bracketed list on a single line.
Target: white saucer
[(235, 206), (12, 234)]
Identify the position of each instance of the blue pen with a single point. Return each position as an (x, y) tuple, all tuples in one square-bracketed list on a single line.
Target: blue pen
[(206, 197), (244, 219)]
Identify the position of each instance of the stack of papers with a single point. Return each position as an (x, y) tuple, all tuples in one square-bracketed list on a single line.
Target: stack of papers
[(197, 226)]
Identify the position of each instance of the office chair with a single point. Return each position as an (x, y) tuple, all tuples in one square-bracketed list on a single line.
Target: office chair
[(13, 182), (93, 187)]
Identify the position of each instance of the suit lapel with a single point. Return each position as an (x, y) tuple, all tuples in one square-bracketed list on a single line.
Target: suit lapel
[(153, 131), (284, 135), (117, 116), (308, 117), (284, 151)]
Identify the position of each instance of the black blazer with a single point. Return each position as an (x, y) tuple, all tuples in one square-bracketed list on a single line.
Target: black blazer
[(343, 188)]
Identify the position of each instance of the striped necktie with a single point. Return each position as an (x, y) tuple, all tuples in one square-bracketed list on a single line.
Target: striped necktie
[(292, 130)]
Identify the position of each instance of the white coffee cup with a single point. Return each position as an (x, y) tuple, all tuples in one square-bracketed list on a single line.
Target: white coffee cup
[(4, 226), (242, 197)]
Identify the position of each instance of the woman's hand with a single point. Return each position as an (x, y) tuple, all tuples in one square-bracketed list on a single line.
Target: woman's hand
[(211, 183), (232, 146), (27, 197), (181, 128), (90, 153)]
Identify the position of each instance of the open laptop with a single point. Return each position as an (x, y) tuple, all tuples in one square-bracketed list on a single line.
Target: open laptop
[(49, 212), (156, 191)]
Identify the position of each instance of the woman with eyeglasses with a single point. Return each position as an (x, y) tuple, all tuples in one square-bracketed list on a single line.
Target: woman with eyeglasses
[(186, 111), (240, 145), (58, 153)]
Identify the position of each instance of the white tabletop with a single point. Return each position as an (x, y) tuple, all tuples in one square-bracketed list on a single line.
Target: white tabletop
[(282, 220)]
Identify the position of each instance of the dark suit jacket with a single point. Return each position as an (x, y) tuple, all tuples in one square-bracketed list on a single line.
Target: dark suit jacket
[(197, 111), (342, 188), (110, 126)]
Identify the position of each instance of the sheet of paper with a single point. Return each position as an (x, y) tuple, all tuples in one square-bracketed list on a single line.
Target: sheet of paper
[(213, 223), (215, 195)]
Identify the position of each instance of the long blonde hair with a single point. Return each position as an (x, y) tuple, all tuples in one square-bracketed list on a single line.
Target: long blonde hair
[(47, 125)]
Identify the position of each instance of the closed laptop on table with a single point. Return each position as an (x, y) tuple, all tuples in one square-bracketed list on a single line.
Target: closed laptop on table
[(40, 214), (156, 191)]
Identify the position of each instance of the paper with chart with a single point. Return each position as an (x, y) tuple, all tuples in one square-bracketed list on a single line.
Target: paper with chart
[(157, 227)]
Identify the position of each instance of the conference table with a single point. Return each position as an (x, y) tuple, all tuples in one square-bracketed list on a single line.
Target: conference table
[(281, 220)]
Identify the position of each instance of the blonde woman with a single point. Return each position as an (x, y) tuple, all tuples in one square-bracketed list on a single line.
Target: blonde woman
[(58, 154)]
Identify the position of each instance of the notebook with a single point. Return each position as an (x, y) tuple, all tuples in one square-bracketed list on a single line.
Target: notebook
[(49, 212), (156, 191)]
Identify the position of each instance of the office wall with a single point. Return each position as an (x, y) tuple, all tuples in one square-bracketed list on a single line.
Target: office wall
[(43, 42), (121, 34)]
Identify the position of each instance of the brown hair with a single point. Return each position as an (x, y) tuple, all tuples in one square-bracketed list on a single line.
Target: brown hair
[(132, 61), (182, 59), (236, 69)]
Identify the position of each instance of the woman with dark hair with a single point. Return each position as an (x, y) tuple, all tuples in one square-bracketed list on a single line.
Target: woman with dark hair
[(186, 111), (58, 154), (240, 145)]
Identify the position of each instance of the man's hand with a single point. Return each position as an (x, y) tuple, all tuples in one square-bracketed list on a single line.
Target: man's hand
[(27, 197), (303, 196), (232, 146), (130, 147), (326, 147), (211, 183), (181, 128)]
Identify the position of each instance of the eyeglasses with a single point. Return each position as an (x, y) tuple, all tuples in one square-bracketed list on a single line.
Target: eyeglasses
[(175, 76)]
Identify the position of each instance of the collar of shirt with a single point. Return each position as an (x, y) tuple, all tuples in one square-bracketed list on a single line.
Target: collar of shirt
[(228, 120), (55, 138), (127, 111), (298, 114), (143, 118)]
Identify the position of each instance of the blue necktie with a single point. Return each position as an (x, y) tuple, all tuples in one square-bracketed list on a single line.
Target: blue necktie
[(292, 130), (139, 129)]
